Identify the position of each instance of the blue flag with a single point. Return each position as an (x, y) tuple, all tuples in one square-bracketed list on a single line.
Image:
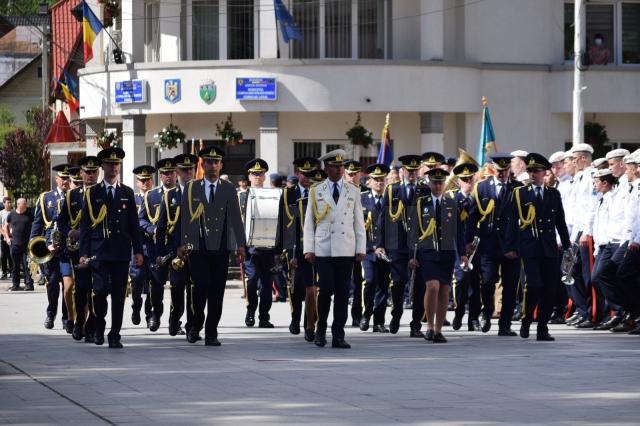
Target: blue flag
[(72, 84), (290, 30), (487, 137), (385, 155)]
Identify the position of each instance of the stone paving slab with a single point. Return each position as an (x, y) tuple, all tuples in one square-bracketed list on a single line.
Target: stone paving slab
[(271, 377)]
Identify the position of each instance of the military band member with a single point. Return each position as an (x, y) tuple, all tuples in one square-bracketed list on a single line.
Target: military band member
[(148, 217), (259, 262), (291, 213), (168, 233), (108, 233), (140, 275), (440, 237), (537, 215), (44, 218), (430, 160), (334, 236), (376, 269), (352, 174), (76, 178), (211, 223), (398, 206), (466, 286)]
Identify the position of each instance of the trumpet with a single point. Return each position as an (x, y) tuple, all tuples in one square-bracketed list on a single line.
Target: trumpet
[(162, 261), (569, 258), (177, 263), (472, 252)]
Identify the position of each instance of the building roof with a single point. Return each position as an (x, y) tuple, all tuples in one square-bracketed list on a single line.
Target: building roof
[(27, 20), (60, 131), (66, 33), (22, 69)]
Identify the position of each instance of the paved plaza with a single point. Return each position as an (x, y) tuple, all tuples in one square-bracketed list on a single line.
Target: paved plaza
[(271, 377)]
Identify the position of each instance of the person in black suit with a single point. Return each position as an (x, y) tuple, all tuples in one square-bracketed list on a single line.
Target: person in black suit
[(212, 224), (537, 214), (108, 233), (353, 174)]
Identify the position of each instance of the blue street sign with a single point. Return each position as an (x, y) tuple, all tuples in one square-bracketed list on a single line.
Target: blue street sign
[(256, 89), (131, 91)]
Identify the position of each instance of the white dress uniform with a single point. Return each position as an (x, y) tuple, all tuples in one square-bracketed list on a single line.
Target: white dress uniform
[(584, 202)]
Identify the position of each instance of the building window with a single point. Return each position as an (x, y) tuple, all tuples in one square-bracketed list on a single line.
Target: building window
[(240, 31), (338, 28), (631, 33), (371, 29), (152, 31), (307, 149), (205, 29), (599, 23), (307, 15)]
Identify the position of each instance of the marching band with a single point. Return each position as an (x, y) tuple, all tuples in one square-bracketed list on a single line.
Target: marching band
[(523, 237)]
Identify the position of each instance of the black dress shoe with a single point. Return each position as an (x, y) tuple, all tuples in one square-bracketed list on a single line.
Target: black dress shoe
[(173, 329), (364, 323), (15, 288), (506, 332), (68, 327), (416, 333), (154, 324), (457, 322), (28, 287), (98, 339), (635, 331), (249, 319), (135, 318), (608, 325), (576, 320), (294, 329), (211, 341), (320, 340), (585, 324), (446, 323), (48, 323), (265, 324), (544, 337), (439, 338), (486, 324), (77, 332), (114, 342), (340, 344), (380, 329), (624, 327), (192, 336), (474, 325), (89, 338), (524, 331), (309, 335), (558, 320), (394, 325), (355, 322), (429, 335)]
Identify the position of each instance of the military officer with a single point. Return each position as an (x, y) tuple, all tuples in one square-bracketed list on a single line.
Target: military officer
[(168, 233), (334, 237), (140, 275), (259, 262), (293, 205), (108, 234), (76, 178), (518, 166), (353, 173), (44, 218), (148, 217), (430, 160), (537, 216), (376, 268), (69, 224), (398, 206), (212, 226)]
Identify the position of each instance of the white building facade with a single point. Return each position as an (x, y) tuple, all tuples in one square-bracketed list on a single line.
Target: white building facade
[(427, 63)]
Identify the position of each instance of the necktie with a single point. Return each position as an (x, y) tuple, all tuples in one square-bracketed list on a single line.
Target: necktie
[(437, 209), (336, 193), (304, 193), (377, 203), (538, 193), (211, 193), (110, 194), (499, 189), (411, 193)]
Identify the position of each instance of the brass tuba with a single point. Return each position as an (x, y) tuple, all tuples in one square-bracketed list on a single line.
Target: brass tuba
[(463, 158), (38, 250)]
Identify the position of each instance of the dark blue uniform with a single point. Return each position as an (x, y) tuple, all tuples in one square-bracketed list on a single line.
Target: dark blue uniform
[(140, 276), (536, 244), (109, 231)]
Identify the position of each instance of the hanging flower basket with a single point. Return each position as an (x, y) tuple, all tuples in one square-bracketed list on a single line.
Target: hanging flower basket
[(108, 139), (228, 133), (359, 135), (169, 137), (111, 11)]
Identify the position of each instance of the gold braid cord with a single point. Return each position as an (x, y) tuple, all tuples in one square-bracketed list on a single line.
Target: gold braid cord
[(47, 223), (431, 227), (368, 222), (531, 213), (314, 204), (199, 210), (300, 210), (95, 221), (486, 211), (394, 216), (286, 208), (152, 219), (171, 223), (74, 221)]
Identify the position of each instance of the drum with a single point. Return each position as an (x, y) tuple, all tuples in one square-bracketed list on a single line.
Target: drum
[(261, 217)]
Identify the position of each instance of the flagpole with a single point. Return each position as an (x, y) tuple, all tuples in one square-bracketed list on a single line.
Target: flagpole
[(579, 45)]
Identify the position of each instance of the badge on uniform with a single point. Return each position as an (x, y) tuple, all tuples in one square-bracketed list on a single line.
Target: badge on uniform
[(49, 204), (173, 201)]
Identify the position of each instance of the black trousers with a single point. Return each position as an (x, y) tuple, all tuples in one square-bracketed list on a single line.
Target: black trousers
[(258, 266), (376, 289), (334, 274), (180, 283), (466, 290), (581, 289), (5, 257), (399, 278), (156, 290), (605, 280), (82, 298), (54, 282), (561, 292), (209, 273), (357, 280), (109, 278), (628, 278), (541, 274), (140, 284), (510, 273), (19, 258), (303, 279)]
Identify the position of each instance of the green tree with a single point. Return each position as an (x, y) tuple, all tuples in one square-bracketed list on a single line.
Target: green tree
[(7, 123), (22, 7)]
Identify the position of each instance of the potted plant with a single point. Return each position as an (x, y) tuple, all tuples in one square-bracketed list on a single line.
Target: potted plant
[(169, 137), (108, 138), (111, 11), (228, 133), (359, 135)]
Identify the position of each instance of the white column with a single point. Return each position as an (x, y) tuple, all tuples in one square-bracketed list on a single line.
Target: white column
[(268, 32), (133, 30), (431, 132), (269, 140), (170, 31), (222, 29), (133, 144), (432, 29)]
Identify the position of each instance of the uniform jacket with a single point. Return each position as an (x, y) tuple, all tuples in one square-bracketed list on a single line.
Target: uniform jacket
[(290, 221), (168, 229), (340, 232), (69, 217), (448, 234), (148, 215), (219, 226), (393, 234), (372, 222), (45, 214), (113, 238)]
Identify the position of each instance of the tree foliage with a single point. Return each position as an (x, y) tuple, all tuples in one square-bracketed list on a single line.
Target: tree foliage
[(22, 7)]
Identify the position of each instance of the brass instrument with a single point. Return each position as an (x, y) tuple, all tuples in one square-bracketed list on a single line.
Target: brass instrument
[(38, 248), (463, 158), (569, 258), (177, 263), (163, 260), (383, 256), (85, 264), (472, 252)]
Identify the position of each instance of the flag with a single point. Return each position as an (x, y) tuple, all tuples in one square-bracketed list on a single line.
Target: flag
[(72, 84), (72, 101), (487, 137), (385, 155), (91, 26), (199, 169), (288, 25)]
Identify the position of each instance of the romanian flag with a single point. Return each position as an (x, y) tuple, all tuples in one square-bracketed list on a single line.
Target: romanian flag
[(199, 170), (91, 26), (72, 100), (385, 155), (487, 137), (72, 84)]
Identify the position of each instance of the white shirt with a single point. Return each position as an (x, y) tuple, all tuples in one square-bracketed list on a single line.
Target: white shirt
[(584, 202), (499, 186), (541, 190), (601, 221), (617, 211), (631, 221), (207, 188)]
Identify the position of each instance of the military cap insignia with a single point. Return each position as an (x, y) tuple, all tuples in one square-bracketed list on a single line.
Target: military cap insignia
[(466, 171), (532, 161), (187, 160), (90, 163), (414, 163), (432, 159), (377, 171), (338, 157), (351, 166)]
